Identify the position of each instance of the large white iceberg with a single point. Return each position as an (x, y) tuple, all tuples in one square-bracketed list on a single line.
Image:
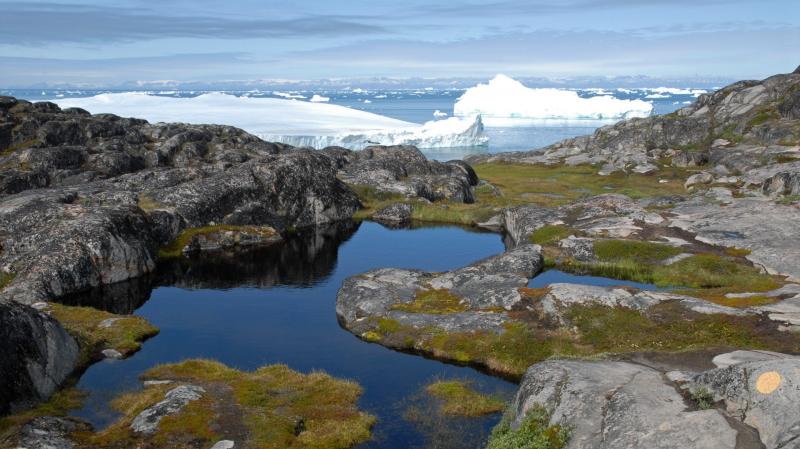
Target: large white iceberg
[(505, 101), (298, 123)]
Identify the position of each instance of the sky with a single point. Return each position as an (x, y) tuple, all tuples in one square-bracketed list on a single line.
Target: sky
[(104, 43)]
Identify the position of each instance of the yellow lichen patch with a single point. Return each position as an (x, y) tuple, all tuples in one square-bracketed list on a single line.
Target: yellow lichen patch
[(768, 382), (438, 301), (148, 204)]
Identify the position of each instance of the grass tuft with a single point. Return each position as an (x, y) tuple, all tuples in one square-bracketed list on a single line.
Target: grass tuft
[(436, 301), (703, 398), (550, 234), (459, 399), (125, 334), (534, 432)]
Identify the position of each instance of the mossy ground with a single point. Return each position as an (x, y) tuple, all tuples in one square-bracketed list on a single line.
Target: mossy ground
[(458, 398), (175, 248), (5, 279), (534, 432), (96, 330), (272, 407), (519, 184), (594, 331), (436, 301), (709, 276), (551, 234)]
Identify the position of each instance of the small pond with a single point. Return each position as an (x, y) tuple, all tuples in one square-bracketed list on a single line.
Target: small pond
[(276, 305)]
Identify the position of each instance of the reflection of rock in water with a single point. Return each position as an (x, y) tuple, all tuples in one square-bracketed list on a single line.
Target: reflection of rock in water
[(302, 259)]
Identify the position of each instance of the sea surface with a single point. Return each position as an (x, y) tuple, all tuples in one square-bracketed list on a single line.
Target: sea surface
[(419, 105)]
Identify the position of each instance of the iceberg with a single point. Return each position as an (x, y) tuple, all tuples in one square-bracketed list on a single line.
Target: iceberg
[(319, 99), (298, 123), (505, 101)]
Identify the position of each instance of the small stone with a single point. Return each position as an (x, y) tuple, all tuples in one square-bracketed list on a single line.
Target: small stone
[(149, 383), (112, 354), (105, 324), (700, 178), (174, 401), (224, 444)]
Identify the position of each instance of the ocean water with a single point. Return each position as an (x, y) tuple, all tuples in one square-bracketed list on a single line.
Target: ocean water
[(419, 105)]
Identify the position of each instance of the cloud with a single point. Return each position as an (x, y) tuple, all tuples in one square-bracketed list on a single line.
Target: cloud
[(514, 7), (704, 49), (33, 23), (21, 71)]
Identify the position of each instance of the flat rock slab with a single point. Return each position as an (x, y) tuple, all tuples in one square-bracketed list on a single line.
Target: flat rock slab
[(756, 224), (618, 405)]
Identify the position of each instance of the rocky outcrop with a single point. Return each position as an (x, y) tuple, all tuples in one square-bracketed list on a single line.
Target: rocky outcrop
[(611, 215), (174, 401), (118, 188), (406, 171), (395, 214), (480, 289), (618, 405), (762, 393), (37, 356), (49, 433)]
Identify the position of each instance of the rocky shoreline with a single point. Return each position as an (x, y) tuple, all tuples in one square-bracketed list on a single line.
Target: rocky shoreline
[(709, 207)]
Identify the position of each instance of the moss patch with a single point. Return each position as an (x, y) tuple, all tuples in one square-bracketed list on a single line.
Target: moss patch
[(276, 407), (633, 251), (437, 301), (595, 330), (534, 432), (551, 234), (59, 405), (5, 279), (175, 249), (148, 204), (96, 330), (459, 399), (20, 146), (519, 184)]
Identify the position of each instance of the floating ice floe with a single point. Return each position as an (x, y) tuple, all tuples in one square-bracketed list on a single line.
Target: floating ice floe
[(439, 114), (298, 123), (288, 95), (505, 101)]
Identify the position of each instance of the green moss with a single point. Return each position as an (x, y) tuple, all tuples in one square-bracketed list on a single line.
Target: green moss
[(20, 146), (5, 279), (534, 432), (125, 334), (148, 204), (175, 249), (633, 251), (729, 133), (527, 184), (670, 327), (59, 405), (437, 301), (551, 234), (274, 399), (459, 399), (712, 271), (762, 116), (703, 398), (789, 199)]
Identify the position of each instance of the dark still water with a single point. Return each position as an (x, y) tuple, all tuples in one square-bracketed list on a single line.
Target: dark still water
[(276, 305)]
